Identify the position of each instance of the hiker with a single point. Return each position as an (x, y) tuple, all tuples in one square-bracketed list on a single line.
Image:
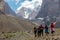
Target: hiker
[(40, 31), (46, 30), (35, 31), (52, 29)]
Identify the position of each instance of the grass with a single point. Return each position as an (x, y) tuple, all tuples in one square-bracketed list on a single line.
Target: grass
[(21, 33), (7, 35), (26, 36)]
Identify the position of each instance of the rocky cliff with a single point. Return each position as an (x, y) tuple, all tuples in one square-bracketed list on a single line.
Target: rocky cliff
[(49, 7)]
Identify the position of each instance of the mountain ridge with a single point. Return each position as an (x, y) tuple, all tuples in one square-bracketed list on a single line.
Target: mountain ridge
[(12, 24)]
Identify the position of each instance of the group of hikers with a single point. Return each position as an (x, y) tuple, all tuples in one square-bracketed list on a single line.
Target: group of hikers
[(41, 29)]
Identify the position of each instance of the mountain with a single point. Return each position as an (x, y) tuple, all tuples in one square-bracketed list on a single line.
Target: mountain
[(34, 13), (8, 23), (49, 8), (4, 7), (29, 10), (58, 22), (12, 24), (28, 13), (50, 11), (23, 12)]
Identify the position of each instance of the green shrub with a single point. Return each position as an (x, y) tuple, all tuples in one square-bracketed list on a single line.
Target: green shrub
[(21, 33)]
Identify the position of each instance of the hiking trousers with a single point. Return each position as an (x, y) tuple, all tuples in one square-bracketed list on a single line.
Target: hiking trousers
[(40, 33)]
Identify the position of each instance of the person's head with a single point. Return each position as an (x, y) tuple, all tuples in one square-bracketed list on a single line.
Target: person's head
[(52, 23), (41, 25)]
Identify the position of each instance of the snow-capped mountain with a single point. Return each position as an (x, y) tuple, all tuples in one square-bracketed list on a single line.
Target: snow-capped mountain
[(23, 12), (34, 13), (5, 8), (29, 10)]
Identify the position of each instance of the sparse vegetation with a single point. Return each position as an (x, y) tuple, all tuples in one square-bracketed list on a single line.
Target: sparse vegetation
[(7, 35), (22, 35), (12, 24), (11, 29)]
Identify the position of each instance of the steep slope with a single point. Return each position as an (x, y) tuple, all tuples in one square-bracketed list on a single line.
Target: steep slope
[(4, 7), (12, 24), (8, 10), (49, 7)]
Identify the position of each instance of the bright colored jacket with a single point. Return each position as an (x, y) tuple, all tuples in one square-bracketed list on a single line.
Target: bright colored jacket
[(52, 25)]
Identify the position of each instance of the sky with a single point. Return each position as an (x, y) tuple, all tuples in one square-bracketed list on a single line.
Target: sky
[(17, 4)]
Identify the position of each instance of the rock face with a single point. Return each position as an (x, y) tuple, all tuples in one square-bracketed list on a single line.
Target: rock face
[(2, 6), (49, 7), (5, 8)]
